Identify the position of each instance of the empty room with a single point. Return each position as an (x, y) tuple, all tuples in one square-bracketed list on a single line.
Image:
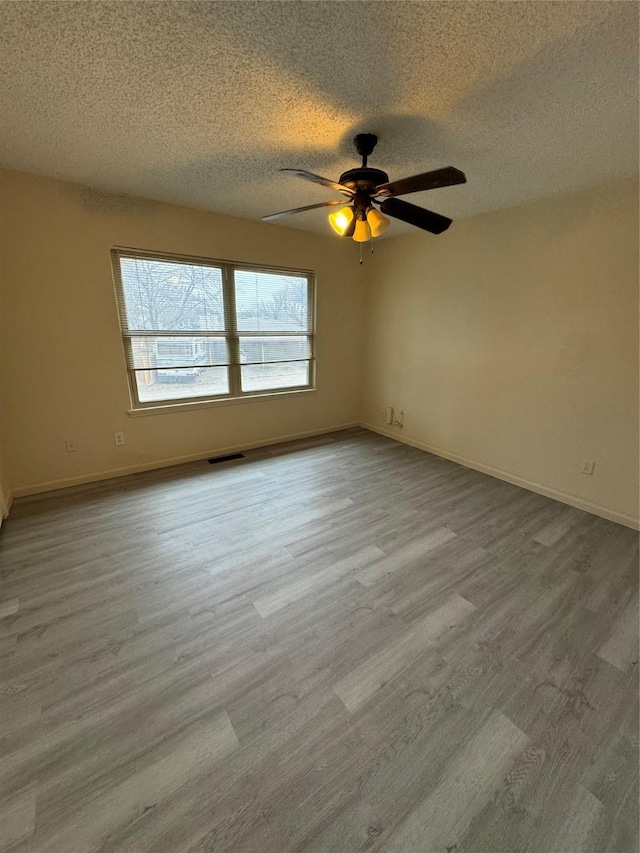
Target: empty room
[(319, 426)]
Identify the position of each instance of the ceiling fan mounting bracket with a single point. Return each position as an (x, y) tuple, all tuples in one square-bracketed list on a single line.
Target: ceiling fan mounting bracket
[(365, 143)]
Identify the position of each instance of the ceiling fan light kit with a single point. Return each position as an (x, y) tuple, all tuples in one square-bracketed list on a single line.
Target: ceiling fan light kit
[(364, 186)]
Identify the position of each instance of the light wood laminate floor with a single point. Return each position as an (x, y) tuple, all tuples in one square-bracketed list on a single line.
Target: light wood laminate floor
[(341, 645)]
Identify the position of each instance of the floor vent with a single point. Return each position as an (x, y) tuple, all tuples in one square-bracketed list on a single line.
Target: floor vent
[(226, 458)]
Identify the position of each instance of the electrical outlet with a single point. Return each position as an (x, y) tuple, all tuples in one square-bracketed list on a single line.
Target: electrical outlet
[(587, 467), (71, 445), (118, 439)]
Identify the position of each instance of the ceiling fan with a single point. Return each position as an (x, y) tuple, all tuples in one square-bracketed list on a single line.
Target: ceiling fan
[(363, 187)]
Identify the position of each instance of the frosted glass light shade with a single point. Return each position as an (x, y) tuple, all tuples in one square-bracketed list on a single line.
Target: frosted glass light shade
[(377, 222), (362, 231), (341, 220)]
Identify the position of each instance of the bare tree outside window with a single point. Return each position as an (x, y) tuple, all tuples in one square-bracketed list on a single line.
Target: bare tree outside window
[(173, 297), (287, 303)]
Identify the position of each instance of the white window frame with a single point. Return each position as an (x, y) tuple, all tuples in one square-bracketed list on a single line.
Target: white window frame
[(231, 333)]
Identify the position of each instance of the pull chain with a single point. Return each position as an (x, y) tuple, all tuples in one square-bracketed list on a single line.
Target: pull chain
[(361, 253)]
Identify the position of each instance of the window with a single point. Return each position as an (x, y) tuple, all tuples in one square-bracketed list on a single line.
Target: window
[(195, 329)]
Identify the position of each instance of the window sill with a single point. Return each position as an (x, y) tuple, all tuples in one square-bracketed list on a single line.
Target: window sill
[(167, 408)]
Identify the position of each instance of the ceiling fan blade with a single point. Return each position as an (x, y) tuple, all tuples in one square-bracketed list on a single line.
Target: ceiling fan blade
[(414, 215), (446, 177), (273, 216), (318, 179)]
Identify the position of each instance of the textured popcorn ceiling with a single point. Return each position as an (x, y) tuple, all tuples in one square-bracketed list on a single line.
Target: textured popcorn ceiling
[(202, 103)]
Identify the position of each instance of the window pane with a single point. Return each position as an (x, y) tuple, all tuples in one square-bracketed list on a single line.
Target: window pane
[(267, 377), (164, 352), (179, 339), (157, 385), (271, 302), (168, 296), (261, 350)]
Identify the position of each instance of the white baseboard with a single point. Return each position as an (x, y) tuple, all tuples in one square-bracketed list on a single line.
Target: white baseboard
[(94, 477), (539, 488)]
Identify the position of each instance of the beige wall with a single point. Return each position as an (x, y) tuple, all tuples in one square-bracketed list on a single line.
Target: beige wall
[(63, 366), (511, 343)]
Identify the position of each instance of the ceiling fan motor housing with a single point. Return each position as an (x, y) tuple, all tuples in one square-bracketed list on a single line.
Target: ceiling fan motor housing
[(363, 180)]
